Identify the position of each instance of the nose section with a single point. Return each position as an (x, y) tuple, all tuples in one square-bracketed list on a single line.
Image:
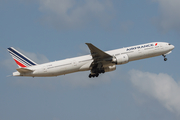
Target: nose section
[(172, 47)]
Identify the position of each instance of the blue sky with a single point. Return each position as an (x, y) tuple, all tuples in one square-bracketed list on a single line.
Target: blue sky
[(48, 30)]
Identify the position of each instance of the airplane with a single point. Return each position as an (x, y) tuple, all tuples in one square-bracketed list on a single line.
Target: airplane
[(97, 62)]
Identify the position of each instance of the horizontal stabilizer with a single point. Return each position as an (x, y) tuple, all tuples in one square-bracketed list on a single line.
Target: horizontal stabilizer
[(24, 70)]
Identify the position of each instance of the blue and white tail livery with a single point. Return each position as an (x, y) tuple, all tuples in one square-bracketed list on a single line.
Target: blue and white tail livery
[(21, 60)]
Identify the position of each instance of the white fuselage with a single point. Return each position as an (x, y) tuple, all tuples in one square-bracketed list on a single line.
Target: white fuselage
[(83, 63)]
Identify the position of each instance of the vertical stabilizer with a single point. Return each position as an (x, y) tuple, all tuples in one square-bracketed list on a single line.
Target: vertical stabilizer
[(21, 60)]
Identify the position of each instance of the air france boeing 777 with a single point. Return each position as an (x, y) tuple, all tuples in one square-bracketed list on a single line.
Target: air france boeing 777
[(97, 62)]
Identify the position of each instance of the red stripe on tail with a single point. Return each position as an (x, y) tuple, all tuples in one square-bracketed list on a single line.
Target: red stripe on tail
[(20, 64)]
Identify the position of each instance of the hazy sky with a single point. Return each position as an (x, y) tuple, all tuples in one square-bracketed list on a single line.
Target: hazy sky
[(48, 30)]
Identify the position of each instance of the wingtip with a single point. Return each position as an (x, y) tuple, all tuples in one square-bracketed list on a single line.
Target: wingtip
[(88, 43)]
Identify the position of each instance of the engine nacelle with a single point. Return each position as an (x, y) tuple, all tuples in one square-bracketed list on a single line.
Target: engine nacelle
[(110, 68), (121, 59)]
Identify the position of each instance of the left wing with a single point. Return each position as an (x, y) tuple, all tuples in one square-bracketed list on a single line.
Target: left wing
[(97, 54), (101, 61)]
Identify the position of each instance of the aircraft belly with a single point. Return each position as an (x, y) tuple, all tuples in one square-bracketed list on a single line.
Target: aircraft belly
[(135, 56), (86, 66)]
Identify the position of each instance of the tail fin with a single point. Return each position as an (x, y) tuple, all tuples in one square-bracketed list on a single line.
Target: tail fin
[(21, 60)]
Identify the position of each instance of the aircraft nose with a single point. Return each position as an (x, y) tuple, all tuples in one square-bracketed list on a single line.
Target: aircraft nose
[(172, 46)]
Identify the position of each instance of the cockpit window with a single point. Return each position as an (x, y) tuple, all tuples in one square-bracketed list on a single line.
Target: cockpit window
[(169, 44)]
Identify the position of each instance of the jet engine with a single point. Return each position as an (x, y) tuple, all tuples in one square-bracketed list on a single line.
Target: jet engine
[(110, 68), (121, 59)]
